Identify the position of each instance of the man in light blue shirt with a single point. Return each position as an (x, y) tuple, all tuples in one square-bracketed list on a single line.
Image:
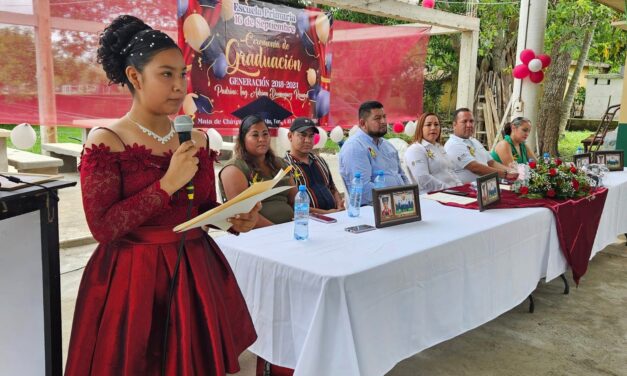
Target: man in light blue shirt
[(367, 151)]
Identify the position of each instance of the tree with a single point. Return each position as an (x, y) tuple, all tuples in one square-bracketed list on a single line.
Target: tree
[(569, 21)]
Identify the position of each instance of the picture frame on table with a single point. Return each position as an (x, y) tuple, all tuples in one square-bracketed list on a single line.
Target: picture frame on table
[(488, 190), (613, 159), (583, 159), (396, 205)]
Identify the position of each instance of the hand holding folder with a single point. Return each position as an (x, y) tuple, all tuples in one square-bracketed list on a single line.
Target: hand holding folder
[(242, 203)]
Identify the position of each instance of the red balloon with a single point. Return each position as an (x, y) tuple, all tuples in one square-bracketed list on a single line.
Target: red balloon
[(520, 71), (527, 55), (536, 77), (428, 3), (316, 139), (545, 59), (398, 127)]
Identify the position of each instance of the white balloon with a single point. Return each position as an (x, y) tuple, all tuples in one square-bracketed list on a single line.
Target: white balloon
[(23, 136), (323, 138), (410, 128), (337, 134), (215, 139), (284, 141), (353, 130), (535, 65)]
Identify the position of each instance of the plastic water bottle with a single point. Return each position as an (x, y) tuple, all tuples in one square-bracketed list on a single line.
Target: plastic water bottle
[(354, 199), (379, 180), (579, 150), (547, 158), (301, 214)]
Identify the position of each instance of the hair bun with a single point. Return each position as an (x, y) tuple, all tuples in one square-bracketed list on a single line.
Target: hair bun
[(113, 40)]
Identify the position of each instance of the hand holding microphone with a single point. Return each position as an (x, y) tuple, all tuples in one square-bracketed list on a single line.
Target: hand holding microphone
[(184, 164)]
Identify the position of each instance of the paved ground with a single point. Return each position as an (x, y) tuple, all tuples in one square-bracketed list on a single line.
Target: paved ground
[(584, 333)]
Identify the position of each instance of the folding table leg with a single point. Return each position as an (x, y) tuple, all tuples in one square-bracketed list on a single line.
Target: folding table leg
[(532, 306), (566, 287)]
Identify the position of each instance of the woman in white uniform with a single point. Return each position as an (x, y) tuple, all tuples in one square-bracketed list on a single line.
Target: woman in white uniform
[(426, 159)]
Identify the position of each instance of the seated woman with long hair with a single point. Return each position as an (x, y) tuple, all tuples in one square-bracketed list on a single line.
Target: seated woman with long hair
[(513, 148), (426, 160), (254, 161)]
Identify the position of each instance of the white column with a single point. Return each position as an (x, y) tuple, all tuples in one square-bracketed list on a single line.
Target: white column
[(531, 28), (45, 72), (467, 69)]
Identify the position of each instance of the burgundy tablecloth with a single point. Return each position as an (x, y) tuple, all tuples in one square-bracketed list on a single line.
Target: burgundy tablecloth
[(576, 220)]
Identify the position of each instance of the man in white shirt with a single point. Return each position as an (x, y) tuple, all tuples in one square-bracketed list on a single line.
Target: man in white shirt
[(470, 159)]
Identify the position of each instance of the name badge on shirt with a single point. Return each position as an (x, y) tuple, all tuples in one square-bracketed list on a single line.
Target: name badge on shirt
[(373, 154), (471, 150)]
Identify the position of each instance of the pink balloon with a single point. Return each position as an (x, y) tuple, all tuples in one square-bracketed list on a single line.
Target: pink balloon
[(536, 77), (526, 56), (545, 59), (428, 3), (521, 71), (398, 127), (316, 139)]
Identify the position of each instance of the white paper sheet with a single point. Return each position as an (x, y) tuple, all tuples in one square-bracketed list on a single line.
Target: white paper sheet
[(445, 197)]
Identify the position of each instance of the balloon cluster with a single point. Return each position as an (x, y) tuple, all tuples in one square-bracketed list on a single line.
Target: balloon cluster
[(322, 26), (531, 66), (199, 37)]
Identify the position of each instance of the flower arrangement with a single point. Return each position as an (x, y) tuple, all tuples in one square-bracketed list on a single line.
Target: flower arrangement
[(553, 179)]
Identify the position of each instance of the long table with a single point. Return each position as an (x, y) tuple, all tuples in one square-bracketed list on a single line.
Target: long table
[(356, 304)]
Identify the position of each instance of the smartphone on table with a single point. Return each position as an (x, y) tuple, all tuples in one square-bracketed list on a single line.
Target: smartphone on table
[(360, 228), (453, 192), (322, 218)]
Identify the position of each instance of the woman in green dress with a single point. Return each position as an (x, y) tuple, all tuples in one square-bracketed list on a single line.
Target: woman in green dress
[(513, 148), (253, 161)]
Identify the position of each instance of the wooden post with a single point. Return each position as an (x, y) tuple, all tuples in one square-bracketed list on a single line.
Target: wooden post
[(467, 69), (45, 72)]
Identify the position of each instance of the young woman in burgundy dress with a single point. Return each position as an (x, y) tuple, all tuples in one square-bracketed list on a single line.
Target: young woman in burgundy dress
[(133, 177)]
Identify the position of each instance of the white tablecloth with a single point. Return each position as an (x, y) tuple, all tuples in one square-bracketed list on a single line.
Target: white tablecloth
[(356, 304)]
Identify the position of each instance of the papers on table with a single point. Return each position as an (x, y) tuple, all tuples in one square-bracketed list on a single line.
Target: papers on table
[(446, 198), (242, 203)]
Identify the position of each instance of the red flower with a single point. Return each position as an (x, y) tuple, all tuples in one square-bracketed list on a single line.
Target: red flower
[(558, 161), (573, 169), (524, 190), (575, 184), (552, 172), (532, 164), (550, 193)]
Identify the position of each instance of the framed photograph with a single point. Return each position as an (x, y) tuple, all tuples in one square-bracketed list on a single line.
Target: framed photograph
[(396, 205), (488, 191), (581, 160), (613, 159)]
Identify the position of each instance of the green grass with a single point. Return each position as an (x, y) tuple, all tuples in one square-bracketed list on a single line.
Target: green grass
[(568, 145), (64, 134)]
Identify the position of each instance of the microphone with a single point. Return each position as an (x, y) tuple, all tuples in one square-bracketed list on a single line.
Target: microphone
[(183, 125)]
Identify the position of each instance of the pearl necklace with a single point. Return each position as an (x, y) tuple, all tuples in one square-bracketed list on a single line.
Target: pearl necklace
[(163, 140)]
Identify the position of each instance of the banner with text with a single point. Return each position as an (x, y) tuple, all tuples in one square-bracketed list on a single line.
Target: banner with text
[(254, 58)]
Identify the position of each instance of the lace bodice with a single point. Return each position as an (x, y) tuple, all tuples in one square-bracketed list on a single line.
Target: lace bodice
[(121, 190)]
